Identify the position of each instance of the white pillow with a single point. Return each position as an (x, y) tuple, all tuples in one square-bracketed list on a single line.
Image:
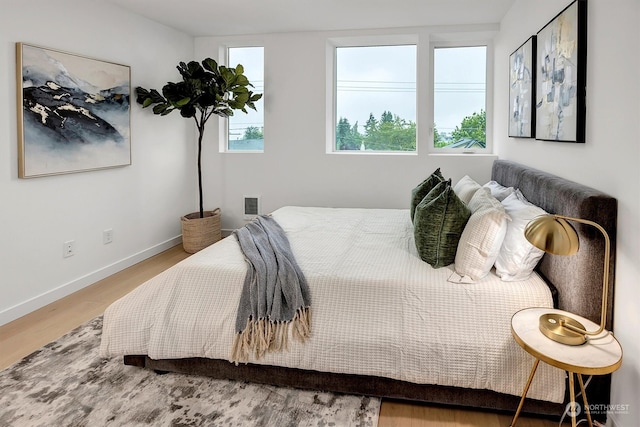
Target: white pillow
[(482, 237), (518, 257), (466, 188), (499, 191)]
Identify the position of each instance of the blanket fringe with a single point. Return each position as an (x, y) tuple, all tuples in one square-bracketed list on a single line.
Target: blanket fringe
[(262, 335)]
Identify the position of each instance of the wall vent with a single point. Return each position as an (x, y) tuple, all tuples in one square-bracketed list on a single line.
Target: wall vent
[(251, 207)]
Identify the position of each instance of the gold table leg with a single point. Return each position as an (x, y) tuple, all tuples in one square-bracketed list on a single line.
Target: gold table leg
[(572, 402), (584, 399), (524, 393)]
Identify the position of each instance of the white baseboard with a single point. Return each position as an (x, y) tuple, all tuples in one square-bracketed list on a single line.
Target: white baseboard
[(30, 305)]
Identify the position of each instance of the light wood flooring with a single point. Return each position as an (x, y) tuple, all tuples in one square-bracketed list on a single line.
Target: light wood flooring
[(26, 334)]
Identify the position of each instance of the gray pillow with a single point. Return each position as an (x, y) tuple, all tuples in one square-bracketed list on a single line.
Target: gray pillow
[(422, 189), (439, 221)]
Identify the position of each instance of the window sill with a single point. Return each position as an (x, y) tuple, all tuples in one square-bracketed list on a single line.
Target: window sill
[(462, 153), (373, 153)]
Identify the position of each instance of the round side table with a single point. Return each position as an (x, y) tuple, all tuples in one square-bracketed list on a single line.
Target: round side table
[(600, 355)]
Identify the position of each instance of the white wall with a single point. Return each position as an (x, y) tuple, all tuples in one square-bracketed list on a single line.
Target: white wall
[(607, 161), (295, 168), (142, 203)]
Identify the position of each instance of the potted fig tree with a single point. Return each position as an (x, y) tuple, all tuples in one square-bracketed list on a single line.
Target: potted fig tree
[(206, 90)]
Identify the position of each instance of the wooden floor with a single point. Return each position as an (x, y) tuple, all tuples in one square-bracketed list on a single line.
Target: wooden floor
[(26, 334)]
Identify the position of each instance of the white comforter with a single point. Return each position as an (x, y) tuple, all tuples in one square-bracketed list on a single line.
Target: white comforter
[(377, 309)]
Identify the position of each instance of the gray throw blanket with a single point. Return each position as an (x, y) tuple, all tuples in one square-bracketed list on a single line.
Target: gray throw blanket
[(275, 296)]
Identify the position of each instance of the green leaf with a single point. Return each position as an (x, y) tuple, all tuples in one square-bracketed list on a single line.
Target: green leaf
[(210, 65), (156, 97), (142, 94), (196, 71), (188, 111), (161, 108), (242, 98), (227, 74), (207, 100), (240, 89), (206, 87), (242, 80)]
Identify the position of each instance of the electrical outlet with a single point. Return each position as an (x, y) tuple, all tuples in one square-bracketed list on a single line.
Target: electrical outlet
[(107, 236), (69, 248)]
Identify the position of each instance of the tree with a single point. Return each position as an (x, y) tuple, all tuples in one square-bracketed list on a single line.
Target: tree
[(347, 137), (371, 126), (472, 127), (391, 133), (253, 132), (356, 136), (205, 90), (386, 117), (438, 141), (405, 134), (385, 135)]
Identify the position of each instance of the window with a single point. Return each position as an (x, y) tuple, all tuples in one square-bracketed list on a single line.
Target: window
[(459, 98), (245, 132), (375, 99)]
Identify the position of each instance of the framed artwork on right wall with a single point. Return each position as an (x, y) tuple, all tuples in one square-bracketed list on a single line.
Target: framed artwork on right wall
[(561, 73), (522, 113)]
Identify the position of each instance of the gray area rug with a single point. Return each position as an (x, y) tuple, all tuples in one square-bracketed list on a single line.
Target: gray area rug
[(67, 383)]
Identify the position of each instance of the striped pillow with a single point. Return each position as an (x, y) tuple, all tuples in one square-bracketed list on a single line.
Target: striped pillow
[(482, 237)]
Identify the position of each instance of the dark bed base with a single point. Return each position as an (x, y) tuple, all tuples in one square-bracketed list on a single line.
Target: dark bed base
[(346, 383)]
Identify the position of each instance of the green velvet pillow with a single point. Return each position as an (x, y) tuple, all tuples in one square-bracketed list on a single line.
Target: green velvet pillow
[(439, 221), (418, 193)]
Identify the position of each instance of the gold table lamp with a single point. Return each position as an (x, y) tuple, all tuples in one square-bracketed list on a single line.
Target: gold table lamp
[(554, 234)]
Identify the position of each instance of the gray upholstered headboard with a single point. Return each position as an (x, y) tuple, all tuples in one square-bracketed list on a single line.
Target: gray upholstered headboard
[(578, 278)]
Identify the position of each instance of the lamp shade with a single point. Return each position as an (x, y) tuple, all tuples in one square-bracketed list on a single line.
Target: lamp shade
[(553, 235)]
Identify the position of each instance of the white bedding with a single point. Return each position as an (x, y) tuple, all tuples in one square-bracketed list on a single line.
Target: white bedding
[(377, 309)]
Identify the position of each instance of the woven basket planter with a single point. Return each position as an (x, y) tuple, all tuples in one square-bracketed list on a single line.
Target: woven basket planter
[(198, 233)]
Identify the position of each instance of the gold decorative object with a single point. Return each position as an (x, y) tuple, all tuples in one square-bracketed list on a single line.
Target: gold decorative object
[(555, 235)]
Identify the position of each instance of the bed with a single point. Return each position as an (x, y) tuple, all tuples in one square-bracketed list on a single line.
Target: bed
[(409, 331)]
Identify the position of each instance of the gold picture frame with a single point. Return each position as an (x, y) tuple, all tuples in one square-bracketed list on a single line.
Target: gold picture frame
[(74, 112)]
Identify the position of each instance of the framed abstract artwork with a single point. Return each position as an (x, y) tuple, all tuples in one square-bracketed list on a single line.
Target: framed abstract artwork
[(561, 74), (522, 65), (73, 112)]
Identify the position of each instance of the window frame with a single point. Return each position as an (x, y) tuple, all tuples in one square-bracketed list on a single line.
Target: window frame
[(332, 84), (488, 97), (223, 122)]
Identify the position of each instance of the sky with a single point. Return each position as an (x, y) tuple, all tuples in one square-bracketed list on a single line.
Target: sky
[(91, 74), (252, 59), (383, 78), (372, 80), (459, 84), (390, 74)]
